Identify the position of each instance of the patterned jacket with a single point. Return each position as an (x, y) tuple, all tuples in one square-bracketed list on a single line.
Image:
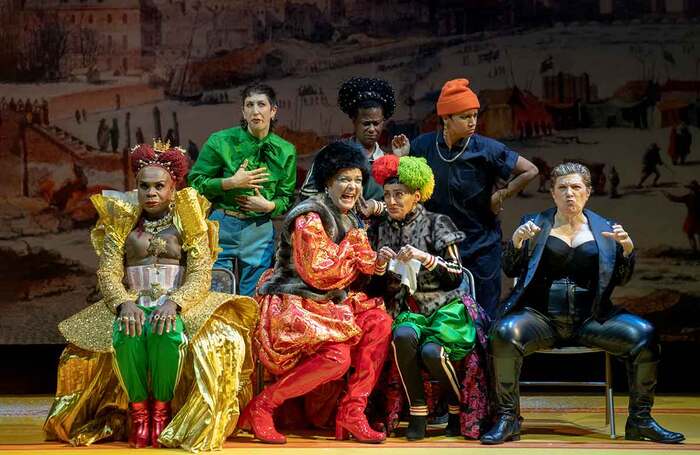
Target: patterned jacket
[(438, 279), (285, 279)]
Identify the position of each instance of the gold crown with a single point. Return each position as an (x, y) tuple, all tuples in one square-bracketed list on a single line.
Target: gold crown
[(160, 146)]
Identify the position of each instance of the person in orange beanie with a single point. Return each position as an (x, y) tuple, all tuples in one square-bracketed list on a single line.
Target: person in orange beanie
[(467, 168)]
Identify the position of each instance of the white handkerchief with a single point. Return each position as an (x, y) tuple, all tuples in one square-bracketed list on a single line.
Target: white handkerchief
[(408, 272)]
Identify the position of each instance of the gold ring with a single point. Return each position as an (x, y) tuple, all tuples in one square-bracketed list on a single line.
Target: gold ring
[(172, 317), (156, 317)]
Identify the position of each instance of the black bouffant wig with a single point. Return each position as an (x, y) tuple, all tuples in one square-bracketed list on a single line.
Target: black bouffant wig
[(336, 156), (363, 92)]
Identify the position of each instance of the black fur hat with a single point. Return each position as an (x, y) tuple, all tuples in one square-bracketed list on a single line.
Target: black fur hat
[(336, 156), (359, 92)]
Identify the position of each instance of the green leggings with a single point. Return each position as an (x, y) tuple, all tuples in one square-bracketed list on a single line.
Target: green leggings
[(149, 359)]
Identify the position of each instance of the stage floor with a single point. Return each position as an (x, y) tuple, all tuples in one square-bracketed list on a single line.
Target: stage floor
[(554, 424)]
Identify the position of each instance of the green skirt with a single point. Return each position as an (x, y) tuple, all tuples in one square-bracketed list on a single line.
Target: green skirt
[(449, 326)]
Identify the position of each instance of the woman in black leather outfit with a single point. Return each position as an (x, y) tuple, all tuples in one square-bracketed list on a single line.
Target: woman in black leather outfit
[(568, 260)]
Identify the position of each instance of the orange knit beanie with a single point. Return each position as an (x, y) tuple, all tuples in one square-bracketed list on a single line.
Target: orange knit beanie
[(456, 96)]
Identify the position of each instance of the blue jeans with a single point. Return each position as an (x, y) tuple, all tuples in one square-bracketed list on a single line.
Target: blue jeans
[(250, 241)]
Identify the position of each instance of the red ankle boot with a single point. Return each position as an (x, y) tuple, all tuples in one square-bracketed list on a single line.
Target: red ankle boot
[(140, 424), (160, 415), (353, 421), (257, 418)]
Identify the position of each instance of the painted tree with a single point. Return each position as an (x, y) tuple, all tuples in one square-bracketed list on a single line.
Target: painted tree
[(87, 47), (45, 48)]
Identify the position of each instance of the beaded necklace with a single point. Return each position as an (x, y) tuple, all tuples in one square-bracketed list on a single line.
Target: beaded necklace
[(157, 245), (154, 227)]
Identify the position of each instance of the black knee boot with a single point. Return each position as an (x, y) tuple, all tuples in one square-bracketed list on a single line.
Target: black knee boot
[(506, 374), (640, 424)]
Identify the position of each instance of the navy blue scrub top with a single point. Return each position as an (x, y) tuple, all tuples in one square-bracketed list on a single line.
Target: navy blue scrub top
[(463, 187)]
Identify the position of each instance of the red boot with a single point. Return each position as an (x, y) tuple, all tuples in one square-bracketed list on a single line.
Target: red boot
[(352, 420), (368, 359), (395, 399), (330, 362), (140, 424), (257, 418), (161, 415)]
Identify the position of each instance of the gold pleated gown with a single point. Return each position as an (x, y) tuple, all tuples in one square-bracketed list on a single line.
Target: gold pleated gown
[(215, 385)]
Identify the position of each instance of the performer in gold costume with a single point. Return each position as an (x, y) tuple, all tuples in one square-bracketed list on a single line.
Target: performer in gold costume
[(159, 344)]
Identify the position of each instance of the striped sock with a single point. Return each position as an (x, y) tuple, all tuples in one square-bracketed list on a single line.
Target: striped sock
[(419, 410)]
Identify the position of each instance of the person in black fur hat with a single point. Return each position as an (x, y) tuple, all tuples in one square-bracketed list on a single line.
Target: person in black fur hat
[(369, 103), (314, 317)]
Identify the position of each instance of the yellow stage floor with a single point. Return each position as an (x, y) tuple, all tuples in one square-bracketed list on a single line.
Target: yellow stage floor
[(554, 425)]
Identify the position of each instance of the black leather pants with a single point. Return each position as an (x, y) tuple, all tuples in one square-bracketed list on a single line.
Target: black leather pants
[(624, 335)]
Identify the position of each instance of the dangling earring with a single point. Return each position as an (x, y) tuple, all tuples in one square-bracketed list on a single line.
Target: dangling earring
[(171, 206), (326, 191)]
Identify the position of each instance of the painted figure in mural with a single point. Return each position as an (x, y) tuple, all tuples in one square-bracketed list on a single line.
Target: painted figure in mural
[(315, 320), (369, 103), (672, 149), (103, 135), (691, 226), (249, 175), (650, 162), (158, 334), (614, 183), (467, 168), (114, 135), (170, 136), (683, 141), (44, 111), (192, 150), (434, 319), (28, 112), (139, 135), (568, 260)]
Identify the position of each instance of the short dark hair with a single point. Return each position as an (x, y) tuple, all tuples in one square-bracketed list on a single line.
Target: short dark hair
[(262, 89), (257, 88), (569, 168)]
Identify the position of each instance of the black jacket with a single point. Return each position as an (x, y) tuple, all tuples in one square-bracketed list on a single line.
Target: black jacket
[(613, 268)]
